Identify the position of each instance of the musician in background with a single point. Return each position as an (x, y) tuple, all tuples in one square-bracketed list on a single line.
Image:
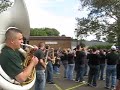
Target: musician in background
[(10, 59), (56, 65), (118, 72), (64, 60), (111, 74), (40, 68), (71, 64), (50, 60)]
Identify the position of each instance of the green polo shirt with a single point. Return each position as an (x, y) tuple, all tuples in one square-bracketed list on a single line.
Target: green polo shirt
[(11, 62)]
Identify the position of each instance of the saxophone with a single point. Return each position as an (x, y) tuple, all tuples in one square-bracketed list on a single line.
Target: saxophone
[(28, 56), (46, 56), (50, 53), (53, 56)]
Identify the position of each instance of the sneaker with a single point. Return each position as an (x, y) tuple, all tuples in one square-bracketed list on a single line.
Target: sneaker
[(89, 84), (112, 88), (76, 80), (73, 79), (84, 82), (94, 85), (107, 87), (102, 79), (51, 83), (57, 73), (65, 77)]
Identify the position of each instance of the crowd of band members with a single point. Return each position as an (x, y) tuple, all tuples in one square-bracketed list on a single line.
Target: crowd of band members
[(81, 62), (100, 63)]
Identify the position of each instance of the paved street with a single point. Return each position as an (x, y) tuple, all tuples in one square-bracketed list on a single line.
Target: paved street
[(64, 84)]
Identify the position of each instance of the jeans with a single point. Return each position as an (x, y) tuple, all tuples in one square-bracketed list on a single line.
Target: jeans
[(93, 74), (40, 80), (70, 71), (49, 72), (56, 70), (65, 64), (80, 73), (101, 71), (86, 69), (111, 75), (118, 71)]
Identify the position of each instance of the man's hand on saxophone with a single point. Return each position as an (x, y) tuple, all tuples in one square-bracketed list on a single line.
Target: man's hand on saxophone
[(27, 71), (34, 60)]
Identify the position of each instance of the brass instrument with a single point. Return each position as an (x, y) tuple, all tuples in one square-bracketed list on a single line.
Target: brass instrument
[(26, 62), (16, 16), (53, 56), (46, 56), (50, 53)]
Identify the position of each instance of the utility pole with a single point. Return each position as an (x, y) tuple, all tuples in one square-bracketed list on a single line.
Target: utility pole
[(76, 34)]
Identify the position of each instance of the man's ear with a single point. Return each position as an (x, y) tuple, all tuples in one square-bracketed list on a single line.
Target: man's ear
[(12, 41)]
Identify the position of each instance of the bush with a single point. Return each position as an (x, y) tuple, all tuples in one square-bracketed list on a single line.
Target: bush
[(101, 46)]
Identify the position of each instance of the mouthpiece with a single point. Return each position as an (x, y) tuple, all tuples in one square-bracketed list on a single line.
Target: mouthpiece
[(27, 45)]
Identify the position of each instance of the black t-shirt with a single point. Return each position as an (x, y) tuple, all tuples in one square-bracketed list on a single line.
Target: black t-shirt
[(112, 58), (71, 58), (64, 57), (80, 57), (102, 58), (94, 59), (40, 55)]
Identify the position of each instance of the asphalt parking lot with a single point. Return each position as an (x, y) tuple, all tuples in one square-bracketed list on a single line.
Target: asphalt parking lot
[(64, 84)]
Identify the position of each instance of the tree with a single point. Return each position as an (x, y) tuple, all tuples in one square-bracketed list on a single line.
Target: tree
[(4, 4), (98, 20), (51, 32), (44, 32), (63, 35)]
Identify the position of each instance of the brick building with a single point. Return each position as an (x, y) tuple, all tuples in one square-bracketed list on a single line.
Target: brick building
[(61, 42), (54, 41)]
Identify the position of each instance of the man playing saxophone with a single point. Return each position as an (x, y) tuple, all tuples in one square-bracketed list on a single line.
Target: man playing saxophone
[(50, 60), (10, 59), (40, 68)]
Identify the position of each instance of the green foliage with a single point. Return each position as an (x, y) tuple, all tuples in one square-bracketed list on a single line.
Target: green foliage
[(97, 21), (44, 32), (82, 44), (4, 4), (101, 46)]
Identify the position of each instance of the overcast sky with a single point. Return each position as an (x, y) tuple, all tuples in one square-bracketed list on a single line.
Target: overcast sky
[(58, 14)]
